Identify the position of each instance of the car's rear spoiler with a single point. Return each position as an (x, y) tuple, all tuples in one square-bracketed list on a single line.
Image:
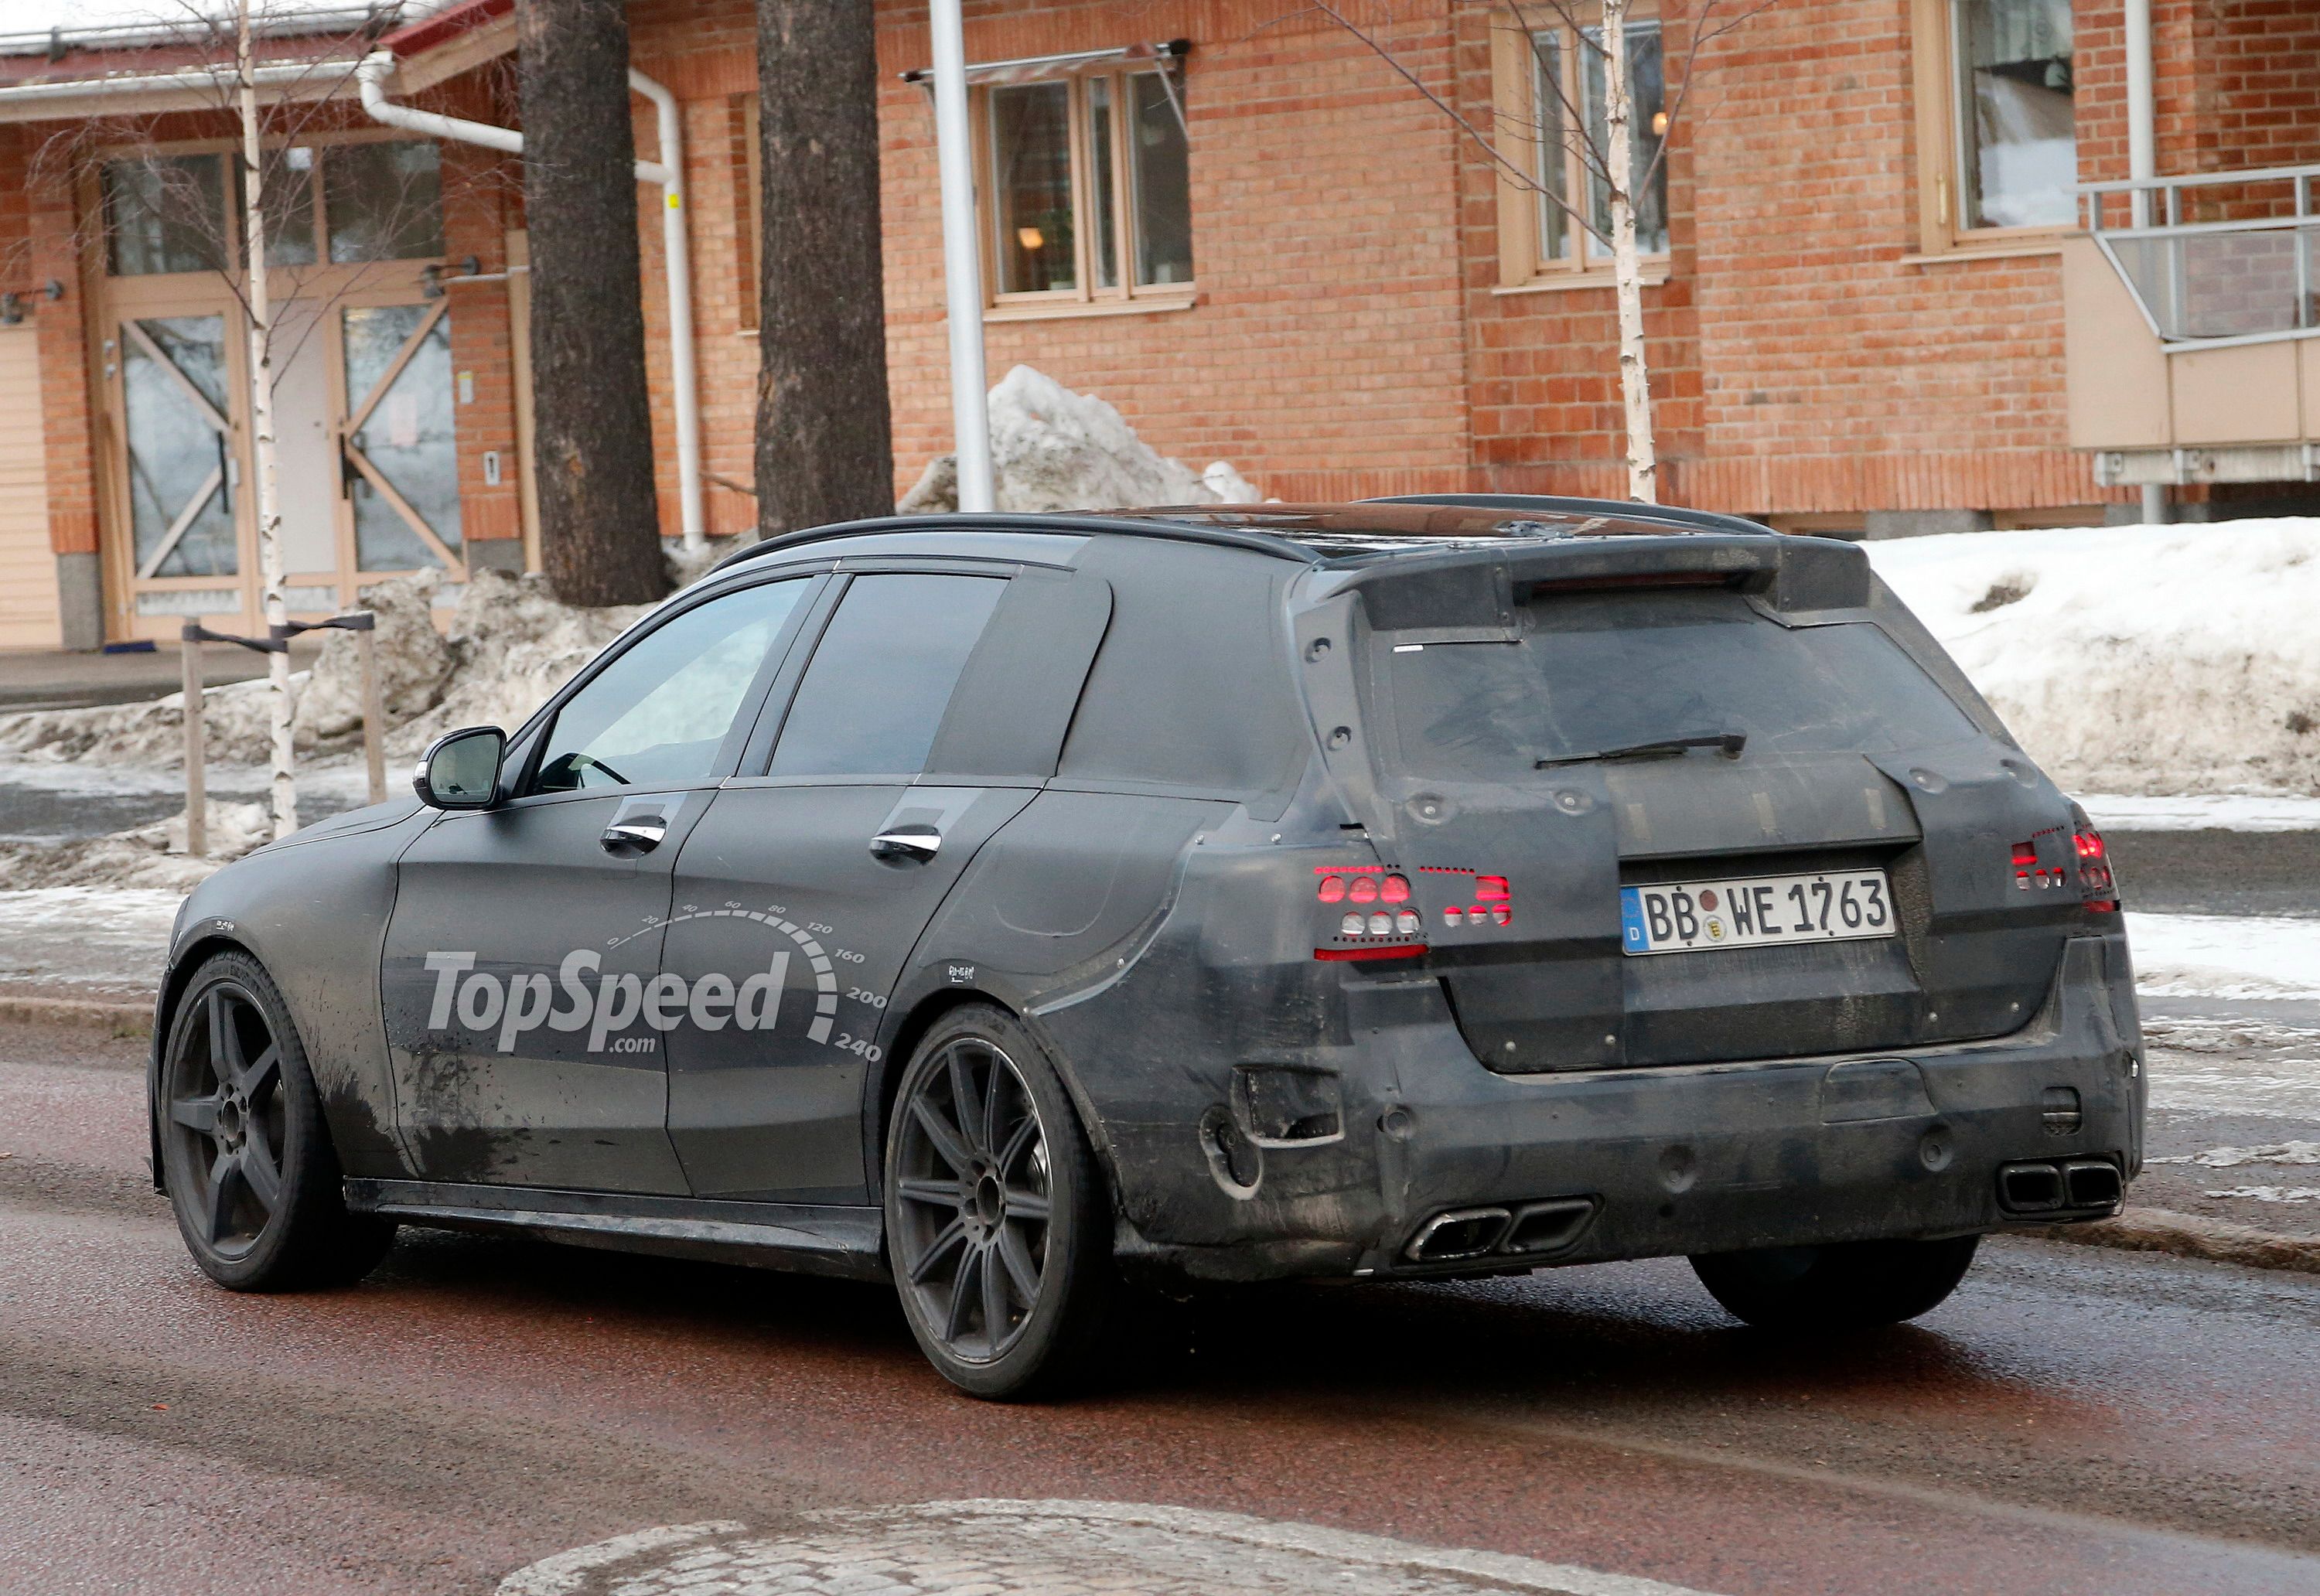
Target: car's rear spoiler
[(1470, 590)]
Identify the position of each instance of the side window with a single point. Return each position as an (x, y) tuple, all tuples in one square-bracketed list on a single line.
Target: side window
[(882, 677), (658, 715)]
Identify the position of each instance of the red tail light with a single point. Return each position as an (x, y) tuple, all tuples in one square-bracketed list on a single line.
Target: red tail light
[(2095, 877), (1489, 888)]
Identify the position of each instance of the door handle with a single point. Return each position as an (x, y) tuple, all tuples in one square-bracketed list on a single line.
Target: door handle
[(918, 843), (641, 835)]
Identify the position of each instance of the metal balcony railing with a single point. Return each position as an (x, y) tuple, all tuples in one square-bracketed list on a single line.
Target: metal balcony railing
[(2216, 259)]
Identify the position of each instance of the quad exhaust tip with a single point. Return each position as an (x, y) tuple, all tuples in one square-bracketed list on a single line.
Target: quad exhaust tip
[(1530, 1229), (2076, 1183)]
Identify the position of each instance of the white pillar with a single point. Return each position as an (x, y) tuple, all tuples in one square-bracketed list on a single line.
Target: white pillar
[(2142, 163), (961, 260)]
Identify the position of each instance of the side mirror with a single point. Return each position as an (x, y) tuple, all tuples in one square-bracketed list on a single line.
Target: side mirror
[(461, 769)]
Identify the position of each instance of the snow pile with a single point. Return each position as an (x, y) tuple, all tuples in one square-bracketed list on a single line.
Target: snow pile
[(1054, 449), (149, 858), (2144, 659), (509, 645)]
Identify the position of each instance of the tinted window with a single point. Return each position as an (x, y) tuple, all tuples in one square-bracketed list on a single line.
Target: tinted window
[(656, 715), (882, 676), (1193, 685), (1612, 670)]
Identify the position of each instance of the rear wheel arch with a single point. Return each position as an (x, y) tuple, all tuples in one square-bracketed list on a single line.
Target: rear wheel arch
[(913, 1028)]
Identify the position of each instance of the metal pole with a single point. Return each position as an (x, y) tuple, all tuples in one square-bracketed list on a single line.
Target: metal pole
[(961, 260), (374, 716), (197, 802)]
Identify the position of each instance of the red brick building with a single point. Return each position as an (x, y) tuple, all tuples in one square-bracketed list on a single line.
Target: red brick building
[(1871, 307)]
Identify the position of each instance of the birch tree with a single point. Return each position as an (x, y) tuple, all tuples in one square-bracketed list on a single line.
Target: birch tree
[(259, 314), (1561, 123)]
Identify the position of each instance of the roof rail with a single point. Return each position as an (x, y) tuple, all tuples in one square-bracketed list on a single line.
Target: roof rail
[(1705, 520), (1174, 531)]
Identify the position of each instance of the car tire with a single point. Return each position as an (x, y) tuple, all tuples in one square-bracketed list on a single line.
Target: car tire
[(998, 1218), (246, 1154), (1849, 1286)]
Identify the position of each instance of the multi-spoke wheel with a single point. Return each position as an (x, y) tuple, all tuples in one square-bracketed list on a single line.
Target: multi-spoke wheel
[(995, 1221), (244, 1151)]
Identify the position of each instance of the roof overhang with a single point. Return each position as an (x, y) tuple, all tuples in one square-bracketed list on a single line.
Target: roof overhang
[(184, 71)]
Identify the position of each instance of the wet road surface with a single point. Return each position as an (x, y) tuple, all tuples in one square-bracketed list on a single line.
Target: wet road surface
[(2073, 1420)]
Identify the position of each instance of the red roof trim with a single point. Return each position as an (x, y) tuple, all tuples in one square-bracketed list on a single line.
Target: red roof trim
[(420, 36)]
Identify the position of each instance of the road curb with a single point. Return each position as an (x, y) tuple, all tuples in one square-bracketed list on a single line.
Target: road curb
[(121, 1020), (2191, 1236)]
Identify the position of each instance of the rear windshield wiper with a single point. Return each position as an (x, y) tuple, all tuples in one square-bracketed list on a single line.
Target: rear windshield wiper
[(1729, 742)]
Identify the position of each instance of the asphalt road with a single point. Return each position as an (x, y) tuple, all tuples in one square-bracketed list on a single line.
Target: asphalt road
[(2073, 1420)]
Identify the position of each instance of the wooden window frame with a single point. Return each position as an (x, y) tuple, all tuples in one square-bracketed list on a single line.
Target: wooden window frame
[(1085, 298), (1517, 115), (321, 275), (1940, 148)]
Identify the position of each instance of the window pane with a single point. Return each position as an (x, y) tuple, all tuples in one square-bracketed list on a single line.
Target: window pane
[(385, 202), (173, 393), (658, 715), (2020, 152), (410, 438), (1101, 202), (288, 187), (882, 677), (166, 214), (1547, 132), (1159, 170), (1031, 155), (1648, 87)]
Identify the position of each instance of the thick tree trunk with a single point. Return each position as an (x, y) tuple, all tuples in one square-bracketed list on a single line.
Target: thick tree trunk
[(825, 439), (1627, 265), (592, 435)]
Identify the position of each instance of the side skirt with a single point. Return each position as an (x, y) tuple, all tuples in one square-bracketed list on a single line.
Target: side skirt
[(848, 1243)]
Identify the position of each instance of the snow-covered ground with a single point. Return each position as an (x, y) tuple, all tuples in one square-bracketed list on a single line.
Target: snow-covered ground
[(2218, 955), (2202, 811), (2141, 660), (86, 941)]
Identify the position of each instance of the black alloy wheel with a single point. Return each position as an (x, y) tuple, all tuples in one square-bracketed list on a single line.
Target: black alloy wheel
[(995, 1230), (244, 1150)]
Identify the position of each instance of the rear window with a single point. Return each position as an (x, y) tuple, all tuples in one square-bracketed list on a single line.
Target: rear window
[(1602, 671)]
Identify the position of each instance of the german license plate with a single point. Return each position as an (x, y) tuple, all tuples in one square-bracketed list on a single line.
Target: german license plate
[(1753, 911)]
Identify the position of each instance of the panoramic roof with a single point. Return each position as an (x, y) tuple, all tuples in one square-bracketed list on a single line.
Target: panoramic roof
[(1340, 532)]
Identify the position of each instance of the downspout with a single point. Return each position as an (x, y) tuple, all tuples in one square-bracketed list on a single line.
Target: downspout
[(2142, 163), (677, 251)]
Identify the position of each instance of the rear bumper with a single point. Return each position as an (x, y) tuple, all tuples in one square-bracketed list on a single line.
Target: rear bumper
[(1692, 1160)]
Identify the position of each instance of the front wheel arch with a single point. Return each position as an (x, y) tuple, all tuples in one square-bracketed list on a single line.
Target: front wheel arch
[(188, 964)]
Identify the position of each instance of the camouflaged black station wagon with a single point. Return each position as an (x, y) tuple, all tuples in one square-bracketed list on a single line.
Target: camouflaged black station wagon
[(1001, 905)]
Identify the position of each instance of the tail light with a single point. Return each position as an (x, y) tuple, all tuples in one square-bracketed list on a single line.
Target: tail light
[(2095, 877), (1369, 904)]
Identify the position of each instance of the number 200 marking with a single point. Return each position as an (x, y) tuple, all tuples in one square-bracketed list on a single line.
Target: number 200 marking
[(862, 996)]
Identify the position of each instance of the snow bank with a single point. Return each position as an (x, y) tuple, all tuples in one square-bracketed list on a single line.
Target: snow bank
[(2136, 660), (508, 646), (1052, 449)]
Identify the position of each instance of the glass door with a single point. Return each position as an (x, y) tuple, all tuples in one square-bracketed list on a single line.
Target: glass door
[(182, 467), (400, 439)]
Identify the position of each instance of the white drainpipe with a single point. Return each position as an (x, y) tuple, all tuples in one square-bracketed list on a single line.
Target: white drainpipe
[(676, 250), (962, 260)]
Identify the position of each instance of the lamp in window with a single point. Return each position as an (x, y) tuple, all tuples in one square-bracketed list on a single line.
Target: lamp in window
[(1031, 239)]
